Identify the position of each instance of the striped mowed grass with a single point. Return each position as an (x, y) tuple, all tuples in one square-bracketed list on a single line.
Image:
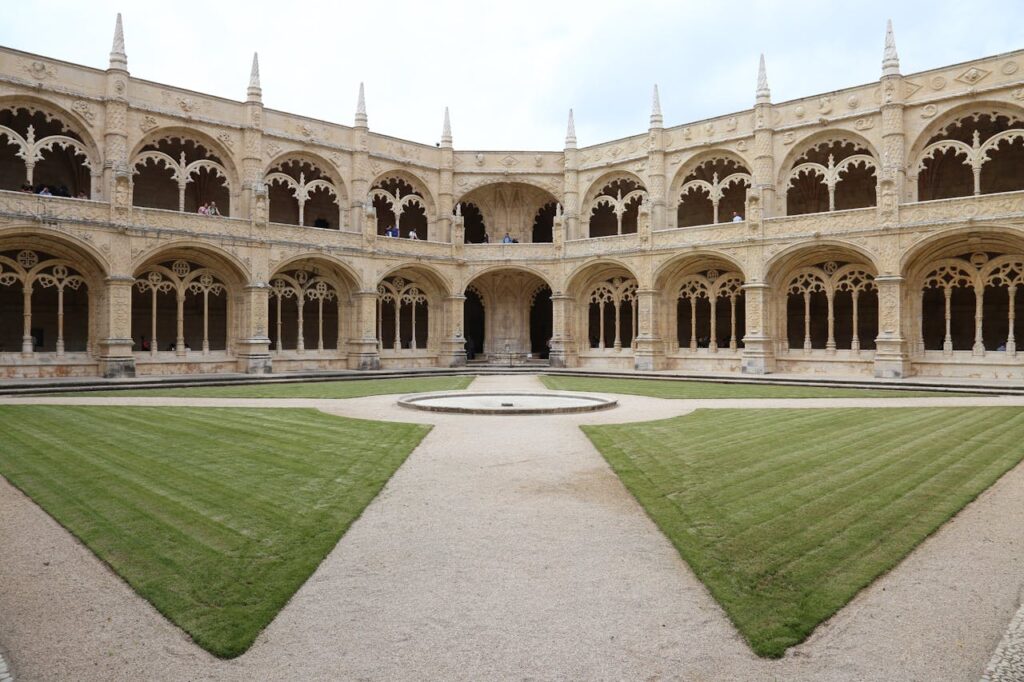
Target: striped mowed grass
[(215, 515), (316, 390), (785, 514)]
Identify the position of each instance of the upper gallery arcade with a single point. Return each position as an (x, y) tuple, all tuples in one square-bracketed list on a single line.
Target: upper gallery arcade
[(876, 230)]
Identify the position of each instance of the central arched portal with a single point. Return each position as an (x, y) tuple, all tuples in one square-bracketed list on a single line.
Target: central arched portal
[(507, 316)]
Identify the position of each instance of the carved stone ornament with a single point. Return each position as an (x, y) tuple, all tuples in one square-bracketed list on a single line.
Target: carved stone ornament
[(1009, 68), (85, 110), (147, 123), (226, 140), (864, 123), (39, 70), (929, 111), (973, 75), (937, 83), (853, 101)]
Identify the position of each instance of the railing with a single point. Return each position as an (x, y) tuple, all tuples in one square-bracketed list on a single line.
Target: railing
[(59, 209)]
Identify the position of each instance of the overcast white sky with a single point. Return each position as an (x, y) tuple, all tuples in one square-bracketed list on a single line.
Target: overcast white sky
[(510, 71)]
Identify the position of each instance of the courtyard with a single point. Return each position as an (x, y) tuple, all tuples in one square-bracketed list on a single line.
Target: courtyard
[(698, 530)]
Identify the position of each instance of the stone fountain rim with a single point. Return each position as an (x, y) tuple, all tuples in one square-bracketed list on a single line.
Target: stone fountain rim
[(597, 403)]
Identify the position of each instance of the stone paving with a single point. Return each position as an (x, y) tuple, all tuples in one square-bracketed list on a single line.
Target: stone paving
[(506, 548), (1007, 664)]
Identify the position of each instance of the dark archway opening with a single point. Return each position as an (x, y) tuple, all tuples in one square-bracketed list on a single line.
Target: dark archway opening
[(540, 324), (473, 323)]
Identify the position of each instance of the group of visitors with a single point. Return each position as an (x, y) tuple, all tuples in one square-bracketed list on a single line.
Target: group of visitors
[(393, 232), (208, 208), (52, 191)]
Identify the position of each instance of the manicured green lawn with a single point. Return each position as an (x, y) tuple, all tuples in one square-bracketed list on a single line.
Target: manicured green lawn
[(662, 388), (216, 516), (785, 514), (310, 389)]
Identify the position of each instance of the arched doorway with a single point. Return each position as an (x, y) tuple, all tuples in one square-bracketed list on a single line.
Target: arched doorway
[(507, 315)]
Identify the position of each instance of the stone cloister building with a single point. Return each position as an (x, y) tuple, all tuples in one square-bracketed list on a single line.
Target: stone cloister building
[(876, 230)]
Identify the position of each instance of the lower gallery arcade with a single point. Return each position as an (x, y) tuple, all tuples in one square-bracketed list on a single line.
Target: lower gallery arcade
[(816, 308)]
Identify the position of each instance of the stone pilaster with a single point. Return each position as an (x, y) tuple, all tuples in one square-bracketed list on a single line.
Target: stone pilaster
[(453, 346), (758, 344), (252, 153), (116, 343), (656, 165), (362, 346), (764, 155), (446, 185), (571, 183), (892, 357), (650, 350), (116, 184), (563, 349), (253, 348)]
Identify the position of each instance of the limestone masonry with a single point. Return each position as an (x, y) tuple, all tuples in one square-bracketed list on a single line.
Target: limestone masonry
[(877, 230)]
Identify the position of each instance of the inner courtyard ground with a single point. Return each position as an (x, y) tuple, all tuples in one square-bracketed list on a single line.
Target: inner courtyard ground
[(505, 547)]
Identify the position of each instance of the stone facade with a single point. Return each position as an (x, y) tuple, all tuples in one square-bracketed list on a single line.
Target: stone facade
[(877, 230)]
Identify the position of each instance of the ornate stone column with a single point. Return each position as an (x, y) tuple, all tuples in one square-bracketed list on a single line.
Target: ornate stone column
[(892, 357), (446, 184), (115, 343), (571, 183), (764, 156), (253, 194), (563, 348), (253, 348), (650, 350), (656, 165), (361, 173), (362, 345), (758, 350), (453, 346), (892, 180), (116, 184)]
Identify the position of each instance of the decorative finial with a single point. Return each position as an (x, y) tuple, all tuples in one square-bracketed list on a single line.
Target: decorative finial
[(446, 130), (656, 119), (764, 95), (118, 59), (570, 133), (890, 60), (255, 92), (361, 121)]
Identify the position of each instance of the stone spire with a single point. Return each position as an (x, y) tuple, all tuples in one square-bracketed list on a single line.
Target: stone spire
[(570, 133), (118, 59), (890, 60), (764, 95), (255, 92), (446, 130), (656, 120), (361, 121)]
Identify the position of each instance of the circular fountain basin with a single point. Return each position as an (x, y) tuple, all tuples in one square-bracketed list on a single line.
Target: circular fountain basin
[(506, 402)]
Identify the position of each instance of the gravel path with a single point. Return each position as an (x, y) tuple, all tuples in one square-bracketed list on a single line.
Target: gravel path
[(505, 548)]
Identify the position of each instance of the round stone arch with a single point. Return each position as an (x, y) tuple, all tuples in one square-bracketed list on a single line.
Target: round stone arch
[(801, 260), (435, 288), (492, 201), (417, 184), (328, 313), (199, 137), (960, 259), (323, 163), (602, 313), (517, 310), (958, 169), (212, 145), (690, 165), (72, 126), (473, 184), (225, 267), (954, 114), (80, 256), (602, 181), (827, 136), (497, 267), (707, 275)]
